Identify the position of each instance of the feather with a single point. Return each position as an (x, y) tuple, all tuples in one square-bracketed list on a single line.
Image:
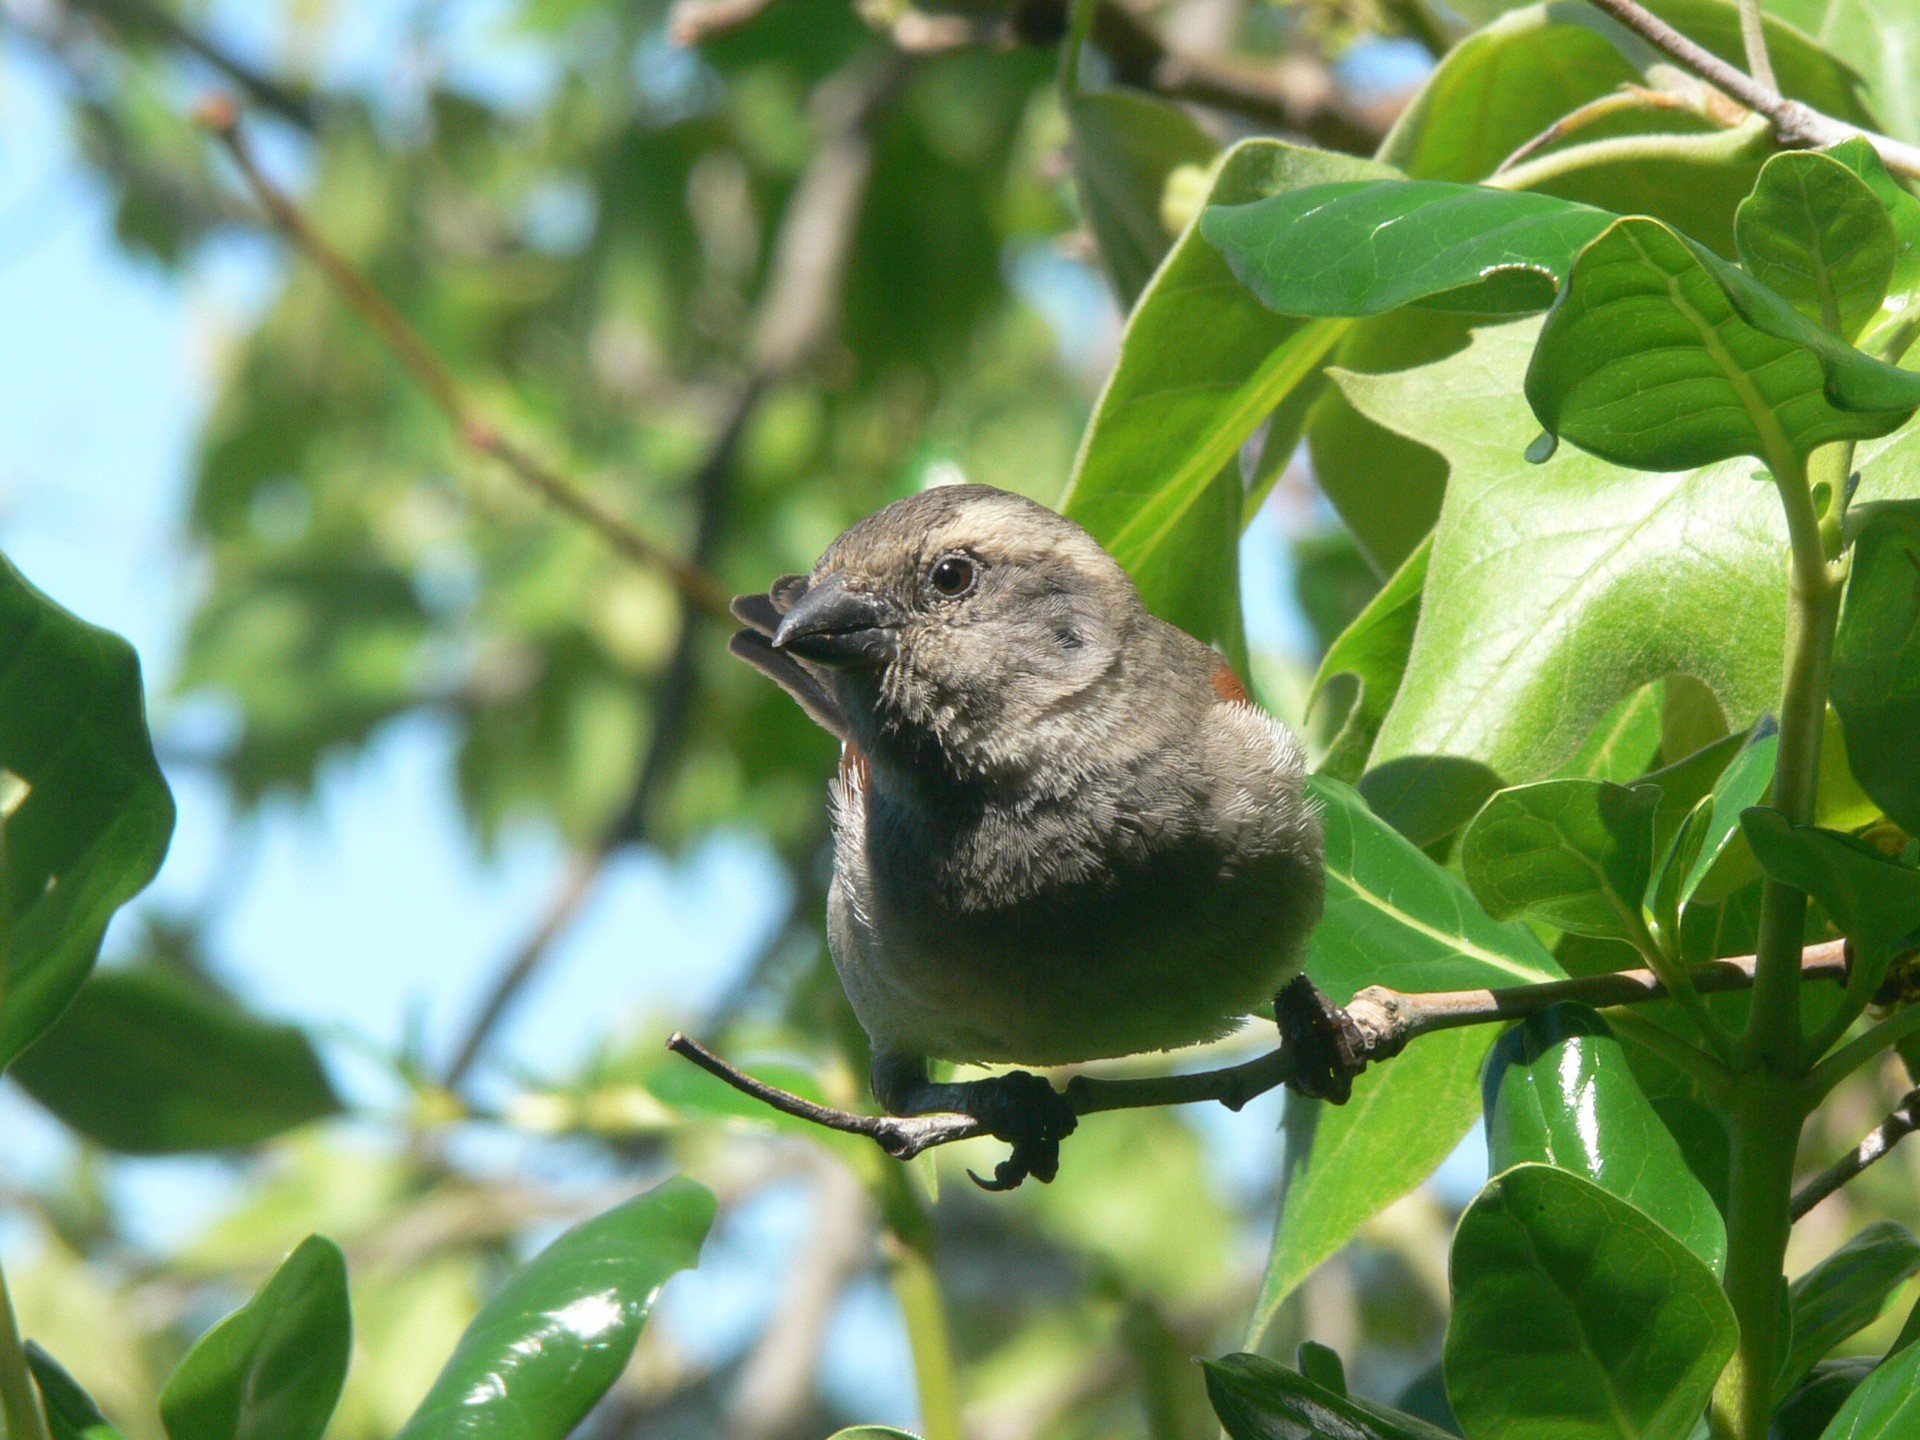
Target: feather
[(802, 683)]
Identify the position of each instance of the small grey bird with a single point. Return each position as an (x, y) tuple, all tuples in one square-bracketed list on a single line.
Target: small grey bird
[(1062, 831)]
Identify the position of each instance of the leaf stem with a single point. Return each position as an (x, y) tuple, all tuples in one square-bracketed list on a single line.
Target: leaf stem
[(1769, 1102), (19, 1394), (1861, 1050), (1716, 147), (1753, 37)]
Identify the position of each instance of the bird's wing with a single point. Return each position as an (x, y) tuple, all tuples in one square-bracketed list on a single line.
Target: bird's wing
[(806, 683)]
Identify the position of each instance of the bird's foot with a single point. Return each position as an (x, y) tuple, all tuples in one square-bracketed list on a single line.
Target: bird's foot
[(1030, 1115), (1328, 1049)]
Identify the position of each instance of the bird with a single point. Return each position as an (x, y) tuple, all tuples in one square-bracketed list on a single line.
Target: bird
[(1062, 831)]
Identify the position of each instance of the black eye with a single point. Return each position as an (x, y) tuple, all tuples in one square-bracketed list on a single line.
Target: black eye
[(951, 576)]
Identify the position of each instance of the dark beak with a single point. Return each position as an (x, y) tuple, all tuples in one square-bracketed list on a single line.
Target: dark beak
[(834, 625)]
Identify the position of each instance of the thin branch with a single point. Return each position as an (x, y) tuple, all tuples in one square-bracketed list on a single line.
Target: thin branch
[(792, 320), (1794, 124), (133, 16), (475, 429), (1904, 1120), (1388, 1020)]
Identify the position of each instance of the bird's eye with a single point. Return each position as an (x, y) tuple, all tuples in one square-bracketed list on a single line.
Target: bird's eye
[(951, 576)]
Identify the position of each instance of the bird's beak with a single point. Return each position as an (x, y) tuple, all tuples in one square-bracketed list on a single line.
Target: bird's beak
[(834, 625)]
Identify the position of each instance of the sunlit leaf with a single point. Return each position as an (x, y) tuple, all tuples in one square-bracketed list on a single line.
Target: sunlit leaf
[(1816, 233), (1876, 660), (273, 1369), (1559, 1091), (1575, 854), (560, 1331), (1844, 1294), (1624, 1330), (1257, 1399), (1661, 356)]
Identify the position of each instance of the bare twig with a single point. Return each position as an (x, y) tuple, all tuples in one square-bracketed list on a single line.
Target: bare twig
[(476, 430), (141, 16), (1388, 1020), (791, 322), (1794, 123), (1904, 1120)]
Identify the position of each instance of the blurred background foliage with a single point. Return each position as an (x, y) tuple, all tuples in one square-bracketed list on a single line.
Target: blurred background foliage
[(745, 272)]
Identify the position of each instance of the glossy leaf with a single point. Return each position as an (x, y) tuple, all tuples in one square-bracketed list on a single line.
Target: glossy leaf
[(1887, 1404), (1373, 650), (84, 813), (1845, 1293), (1393, 918), (1202, 365), (1876, 660), (1559, 1091), (1363, 247), (273, 1369), (1125, 145), (150, 1062), (1872, 897), (1624, 1329), (1661, 356), (1815, 233), (1257, 1399), (560, 1331), (70, 1411), (1575, 854)]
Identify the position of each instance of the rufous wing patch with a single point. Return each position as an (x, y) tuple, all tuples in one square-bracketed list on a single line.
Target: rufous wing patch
[(1227, 686)]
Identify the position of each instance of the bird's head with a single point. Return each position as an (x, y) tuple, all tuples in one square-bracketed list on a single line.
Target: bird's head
[(967, 617)]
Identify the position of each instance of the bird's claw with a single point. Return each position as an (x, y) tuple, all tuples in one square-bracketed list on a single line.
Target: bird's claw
[(1328, 1049), (1030, 1115)]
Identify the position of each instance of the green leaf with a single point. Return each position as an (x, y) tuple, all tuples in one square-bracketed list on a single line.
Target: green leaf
[(1903, 211), (559, 1332), (71, 1413), (1876, 660), (1626, 742), (1202, 365), (272, 1370), (1321, 1364), (1125, 145), (1363, 247), (84, 813), (150, 1062), (1573, 1312), (1844, 1294), (1661, 356), (1559, 1091), (1887, 1404), (1873, 898), (873, 1432), (1373, 649), (1815, 232), (1504, 84), (1743, 784), (1575, 854), (1393, 917), (1810, 1407), (1257, 1399), (1554, 592)]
